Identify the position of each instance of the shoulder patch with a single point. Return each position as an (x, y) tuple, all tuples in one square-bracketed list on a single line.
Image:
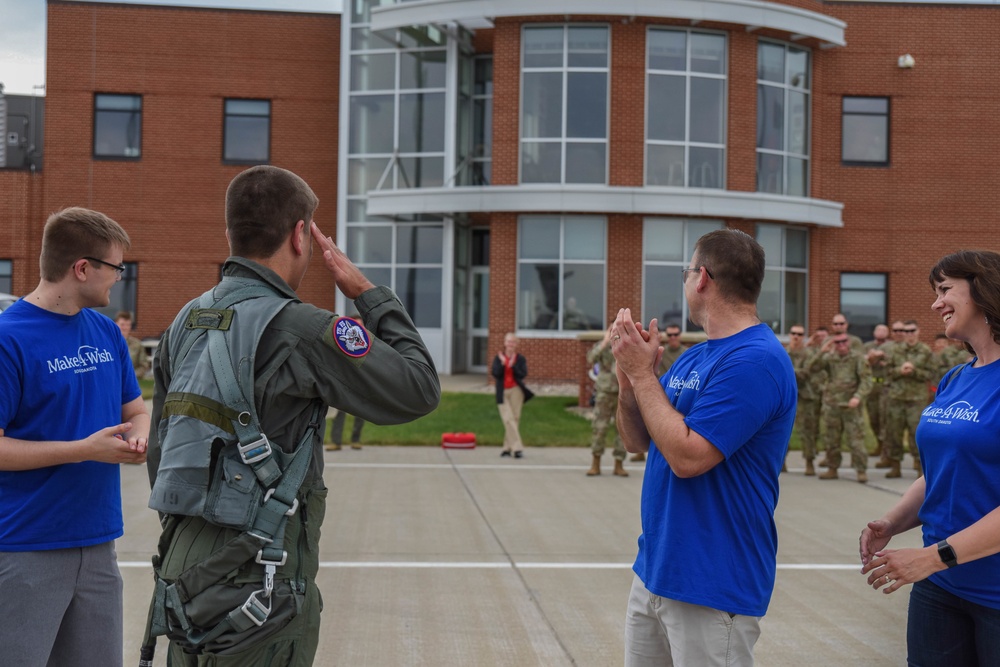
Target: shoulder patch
[(351, 337)]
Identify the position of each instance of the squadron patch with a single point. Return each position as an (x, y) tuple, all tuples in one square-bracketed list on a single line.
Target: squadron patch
[(351, 337)]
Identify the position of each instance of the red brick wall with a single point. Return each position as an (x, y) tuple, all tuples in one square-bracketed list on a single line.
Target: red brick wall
[(184, 63), (20, 207)]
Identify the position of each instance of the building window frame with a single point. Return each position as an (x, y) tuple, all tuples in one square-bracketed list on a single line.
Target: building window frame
[(795, 128), (111, 111), (7, 276), (535, 313), (852, 283), (667, 246), (859, 109), (790, 270), (685, 143), (535, 141), (238, 111)]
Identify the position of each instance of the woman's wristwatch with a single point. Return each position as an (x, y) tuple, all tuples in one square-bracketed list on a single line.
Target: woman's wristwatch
[(947, 554)]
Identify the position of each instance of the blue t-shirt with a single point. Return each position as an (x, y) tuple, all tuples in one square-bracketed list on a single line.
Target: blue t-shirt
[(710, 540), (61, 378), (959, 441)]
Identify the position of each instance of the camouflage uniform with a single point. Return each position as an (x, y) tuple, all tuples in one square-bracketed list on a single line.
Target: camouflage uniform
[(605, 399), (876, 401), (669, 357), (907, 395), (810, 392), (848, 376)]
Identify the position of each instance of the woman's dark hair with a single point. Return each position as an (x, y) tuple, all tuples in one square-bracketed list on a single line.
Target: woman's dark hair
[(981, 269)]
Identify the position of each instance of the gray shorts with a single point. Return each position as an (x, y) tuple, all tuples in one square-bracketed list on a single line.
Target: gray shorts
[(61, 607)]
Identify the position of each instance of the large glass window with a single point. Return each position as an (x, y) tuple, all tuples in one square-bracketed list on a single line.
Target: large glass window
[(783, 87), (475, 120), (783, 295), (667, 246), (6, 276), (564, 104), (685, 108), (117, 126), (561, 273), (246, 131), (865, 130), (863, 300)]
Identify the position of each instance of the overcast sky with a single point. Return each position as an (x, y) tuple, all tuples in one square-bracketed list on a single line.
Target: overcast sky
[(22, 33)]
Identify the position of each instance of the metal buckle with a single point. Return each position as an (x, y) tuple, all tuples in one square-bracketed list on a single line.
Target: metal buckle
[(291, 510), (257, 450), (255, 609), (276, 563)]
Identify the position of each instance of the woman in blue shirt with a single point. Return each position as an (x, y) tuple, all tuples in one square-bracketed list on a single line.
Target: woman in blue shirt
[(954, 613)]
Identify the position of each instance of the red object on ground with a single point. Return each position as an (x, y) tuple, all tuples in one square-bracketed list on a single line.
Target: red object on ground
[(458, 440)]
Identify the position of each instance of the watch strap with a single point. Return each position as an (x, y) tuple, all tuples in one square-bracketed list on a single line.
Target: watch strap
[(947, 554)]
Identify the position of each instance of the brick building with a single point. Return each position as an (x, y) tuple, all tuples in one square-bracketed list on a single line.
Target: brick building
[(532, 167)]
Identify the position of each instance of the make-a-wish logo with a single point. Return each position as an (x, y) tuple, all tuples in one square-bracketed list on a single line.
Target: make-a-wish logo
[(957, 411), (86, 359), (693, 382)]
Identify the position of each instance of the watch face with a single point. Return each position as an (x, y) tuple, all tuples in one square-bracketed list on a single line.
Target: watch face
[(947, 554)]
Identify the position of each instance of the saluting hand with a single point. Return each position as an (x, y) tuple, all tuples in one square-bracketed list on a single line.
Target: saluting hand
[(349, 278)]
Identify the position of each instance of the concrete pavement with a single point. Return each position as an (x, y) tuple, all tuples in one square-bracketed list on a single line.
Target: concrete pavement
[(460, 557)]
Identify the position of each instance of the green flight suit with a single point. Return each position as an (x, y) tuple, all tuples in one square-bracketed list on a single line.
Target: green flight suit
[(876, 403), (297, 361)]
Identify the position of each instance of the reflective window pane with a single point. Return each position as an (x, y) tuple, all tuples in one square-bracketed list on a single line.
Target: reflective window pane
[(373, 71), (369, 244), (663, 240), (419, 244), (541, 162), (371, 124), (420, 35), (769, 237), (864, 281), (770, 173), (586, 111), (771, 62), (798, 123), (769, 302), (795, 299), (706, 110), (695, 230), (420, 172), (247, 131), (543, 47), (666, 108), (419, 290), (796, 248), (422, 69), (586, 163), (117, 126), (708, 53), (538, 237), (538, 296), (665, 165), (798, 175), (706, 167), (583, 285), (421, 126), (542, 115), (584, 238), (770, 117), (798, 68), (667, 50), (363, 174), (663, 295), (587, 47)]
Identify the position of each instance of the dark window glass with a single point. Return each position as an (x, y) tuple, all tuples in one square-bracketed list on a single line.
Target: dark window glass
[(6, 276), (124, 292), (117, 126), (247, 131), (864, 300), (865, 130)]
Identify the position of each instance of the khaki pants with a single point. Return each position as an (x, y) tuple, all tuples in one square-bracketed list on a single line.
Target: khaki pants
[(663, 632), (510, 414)]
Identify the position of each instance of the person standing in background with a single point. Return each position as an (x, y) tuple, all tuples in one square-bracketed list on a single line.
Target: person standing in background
[(509, 370), (136, 351), (605, 406), (807, 411), (875, 355), (909, 367)]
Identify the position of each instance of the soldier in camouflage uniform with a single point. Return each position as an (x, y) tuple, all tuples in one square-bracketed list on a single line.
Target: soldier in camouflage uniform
[(810, 391), (605, 405), (910, 366), (876, 351), (849, 381)]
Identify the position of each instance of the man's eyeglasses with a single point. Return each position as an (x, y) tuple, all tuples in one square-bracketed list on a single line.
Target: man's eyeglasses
[(841, 341), (673, 335), (796, 333), (119, 268), (898, 330), (909, 331), (684, 272), (839, 324)]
